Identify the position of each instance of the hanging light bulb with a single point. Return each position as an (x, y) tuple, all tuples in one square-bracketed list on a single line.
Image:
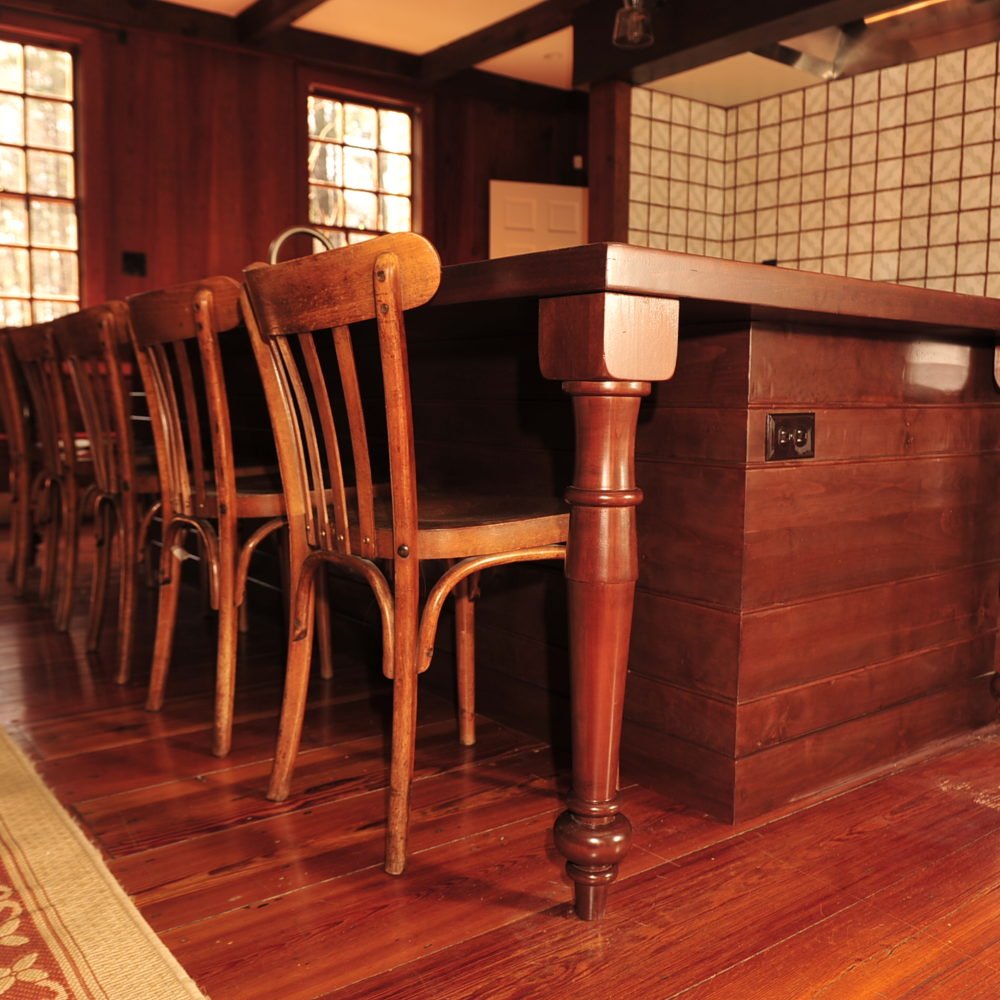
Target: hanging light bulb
[(633, 26)]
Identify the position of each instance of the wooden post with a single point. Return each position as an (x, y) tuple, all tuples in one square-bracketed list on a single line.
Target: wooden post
[(608, 149)]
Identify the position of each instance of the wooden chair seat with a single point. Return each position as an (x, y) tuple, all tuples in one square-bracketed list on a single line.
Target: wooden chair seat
[(304, 317), (457, 525)]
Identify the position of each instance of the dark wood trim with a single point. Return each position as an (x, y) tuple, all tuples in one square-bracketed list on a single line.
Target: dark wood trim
[(711, 288), (608, 151), (268, 16), (696, 34), (527, 26)]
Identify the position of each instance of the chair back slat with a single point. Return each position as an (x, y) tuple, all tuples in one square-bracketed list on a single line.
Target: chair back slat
[(15, 409), (363, 481), (285, 305)]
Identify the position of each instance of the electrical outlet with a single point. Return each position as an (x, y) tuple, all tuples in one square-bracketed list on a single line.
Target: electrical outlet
[(789, 436)]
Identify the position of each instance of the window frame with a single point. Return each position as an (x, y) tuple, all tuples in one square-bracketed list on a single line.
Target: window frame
[(314, 81), (89, 122)]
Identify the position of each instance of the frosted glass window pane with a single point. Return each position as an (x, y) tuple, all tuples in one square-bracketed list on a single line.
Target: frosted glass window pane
[(50, 123), (395, 131), (359, 168), (51, 173), (395, 171), (360, 125), (11, 169), (15, 312), (14, 271), (11, 66), (13, 221), (12, 119), (48, 72), (53, 224), (325, 162), (336, 237), (326, 206), (360, 237), (54, 273), (326, 118), (395, 214), (46, 311), (360, 210)]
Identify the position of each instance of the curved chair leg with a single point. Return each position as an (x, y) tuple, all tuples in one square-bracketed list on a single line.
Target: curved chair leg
[(225, 658), (21, 524), (104, 527), (166, 617), (465, 660), (70, 515), (293, 705), (129, 547), (324, 641), (51, 533)]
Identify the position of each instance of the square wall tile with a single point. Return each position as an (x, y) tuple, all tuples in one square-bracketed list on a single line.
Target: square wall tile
[(981, 61), (941, 261), (639, 159), (859, 265), (891, 112), (920, 75), (912, 264), (792, 105), (971, 284), (641, 101), (977, 159), (660, 106), (865, 118), (770, 111), (860, 238), (918, 138), (949, 100), (971, 258), (680, 110), (699, 115), (892, 81), (950, 68), (912, 232), (979, 94), (916, 200), (948, 132), (885, 266), (866, 87), (920, 106), (815, 98), (890, 143), (943, 228), (887, 235)]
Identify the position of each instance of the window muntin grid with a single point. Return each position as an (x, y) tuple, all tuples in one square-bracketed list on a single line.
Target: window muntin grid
[(360, 169), (39, 231)]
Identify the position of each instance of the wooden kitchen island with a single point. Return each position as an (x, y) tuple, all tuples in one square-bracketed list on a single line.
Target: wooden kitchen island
[(797, 622)]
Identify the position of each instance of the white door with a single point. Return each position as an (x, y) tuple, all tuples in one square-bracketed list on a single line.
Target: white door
[(529, 217)]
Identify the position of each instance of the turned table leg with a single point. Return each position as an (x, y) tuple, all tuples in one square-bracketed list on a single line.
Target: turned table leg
[(601, 570)]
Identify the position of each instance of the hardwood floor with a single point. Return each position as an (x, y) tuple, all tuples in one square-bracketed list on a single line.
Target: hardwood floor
[(889, 889)]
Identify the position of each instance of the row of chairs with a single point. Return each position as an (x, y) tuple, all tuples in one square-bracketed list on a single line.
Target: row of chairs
[(338, 505)]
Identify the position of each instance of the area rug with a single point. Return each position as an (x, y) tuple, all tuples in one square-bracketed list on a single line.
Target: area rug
[(67, 929)]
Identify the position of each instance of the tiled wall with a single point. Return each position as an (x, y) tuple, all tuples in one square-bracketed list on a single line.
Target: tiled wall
[(892, 175)]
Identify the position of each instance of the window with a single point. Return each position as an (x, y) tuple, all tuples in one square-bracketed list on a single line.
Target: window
[(360, 169), (39, 261)]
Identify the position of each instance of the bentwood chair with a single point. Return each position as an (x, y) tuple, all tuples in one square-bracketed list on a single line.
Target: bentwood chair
[(299, 314), (17, 429), (66, 472), (94, 357), (178, 334)]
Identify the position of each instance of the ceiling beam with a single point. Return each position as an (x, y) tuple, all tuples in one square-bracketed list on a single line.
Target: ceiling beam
[(265, 17), (510, 33), (691, 35)]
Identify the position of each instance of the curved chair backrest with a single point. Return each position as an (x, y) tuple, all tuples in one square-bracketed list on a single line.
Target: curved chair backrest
[(175, 332), (328, 292), (93, 353), (33, 348)]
